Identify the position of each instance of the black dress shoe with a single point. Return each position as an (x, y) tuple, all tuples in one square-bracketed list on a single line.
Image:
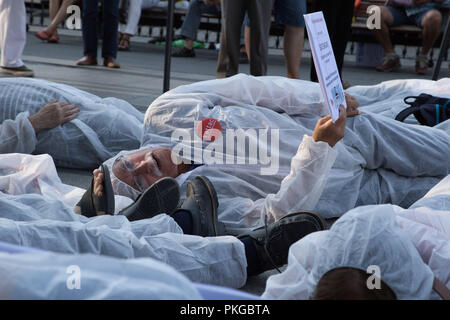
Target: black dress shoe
[(161, 197), (202, 203), (272, 241)]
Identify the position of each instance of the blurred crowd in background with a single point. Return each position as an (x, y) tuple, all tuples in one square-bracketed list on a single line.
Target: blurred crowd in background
[(245, 26)]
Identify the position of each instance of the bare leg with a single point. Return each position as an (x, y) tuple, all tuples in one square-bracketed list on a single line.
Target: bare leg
[(431, 24), (247, 41), (59, 16), (293, 47), (383, 35), (54, 7)]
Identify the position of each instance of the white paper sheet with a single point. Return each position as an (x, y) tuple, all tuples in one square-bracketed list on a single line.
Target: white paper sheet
[(325, 63)]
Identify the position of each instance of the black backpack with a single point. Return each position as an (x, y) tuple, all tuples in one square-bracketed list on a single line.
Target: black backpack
[(428, 110)]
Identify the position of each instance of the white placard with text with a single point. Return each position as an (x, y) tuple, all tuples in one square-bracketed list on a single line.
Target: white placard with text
[(325, 63)]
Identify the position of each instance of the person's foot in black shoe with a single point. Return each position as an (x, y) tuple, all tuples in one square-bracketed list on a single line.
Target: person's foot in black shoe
[(99, 197), (161, 197), (201, 203), (184, 53), (270, 243)]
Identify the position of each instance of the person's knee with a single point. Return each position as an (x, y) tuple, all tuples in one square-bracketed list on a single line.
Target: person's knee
[(386, 15), (433, 19)]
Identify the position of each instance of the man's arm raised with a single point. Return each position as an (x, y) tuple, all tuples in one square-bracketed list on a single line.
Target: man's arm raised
[(303, 187)]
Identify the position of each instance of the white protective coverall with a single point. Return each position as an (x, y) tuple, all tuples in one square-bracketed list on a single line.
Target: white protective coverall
[(17, 135), (51, 276), (410, 246), (36, 210), (387, 98), (103, 126), (380, 160), (12, 32)]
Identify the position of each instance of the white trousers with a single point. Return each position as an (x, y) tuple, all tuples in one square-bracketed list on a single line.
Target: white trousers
[(134, 14), (12, 32)]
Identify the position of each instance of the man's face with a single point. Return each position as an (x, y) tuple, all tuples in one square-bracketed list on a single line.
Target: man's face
[(143, 168)]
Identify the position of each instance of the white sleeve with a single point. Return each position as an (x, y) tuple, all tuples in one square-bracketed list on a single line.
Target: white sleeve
[(17, 136), (302, 188), (294, 97)]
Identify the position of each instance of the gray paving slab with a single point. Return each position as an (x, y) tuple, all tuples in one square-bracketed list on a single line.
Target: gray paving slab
[(140, 78)]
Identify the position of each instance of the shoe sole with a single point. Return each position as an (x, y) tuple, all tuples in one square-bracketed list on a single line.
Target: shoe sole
[(92, 205), (215, 201), (158, 198), (112, 67), (20, 74), (109, 192), (43, 39)]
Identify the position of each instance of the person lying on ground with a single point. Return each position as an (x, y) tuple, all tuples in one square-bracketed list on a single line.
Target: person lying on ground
[(188, 237), (102, 128), (378, 161), (36, 275), (374, 252), (409, 248), (20, 135)]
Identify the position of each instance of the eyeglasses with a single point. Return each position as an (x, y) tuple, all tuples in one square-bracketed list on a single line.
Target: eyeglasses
[(123, 164)]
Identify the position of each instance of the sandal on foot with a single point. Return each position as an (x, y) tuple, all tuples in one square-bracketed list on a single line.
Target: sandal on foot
[(124, 44), (161, 197), (53, 38), (90, 204), (43, 35)]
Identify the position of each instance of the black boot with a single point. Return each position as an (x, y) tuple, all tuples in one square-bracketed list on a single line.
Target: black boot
[(272, 241), (161, 197), (202, 203)]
